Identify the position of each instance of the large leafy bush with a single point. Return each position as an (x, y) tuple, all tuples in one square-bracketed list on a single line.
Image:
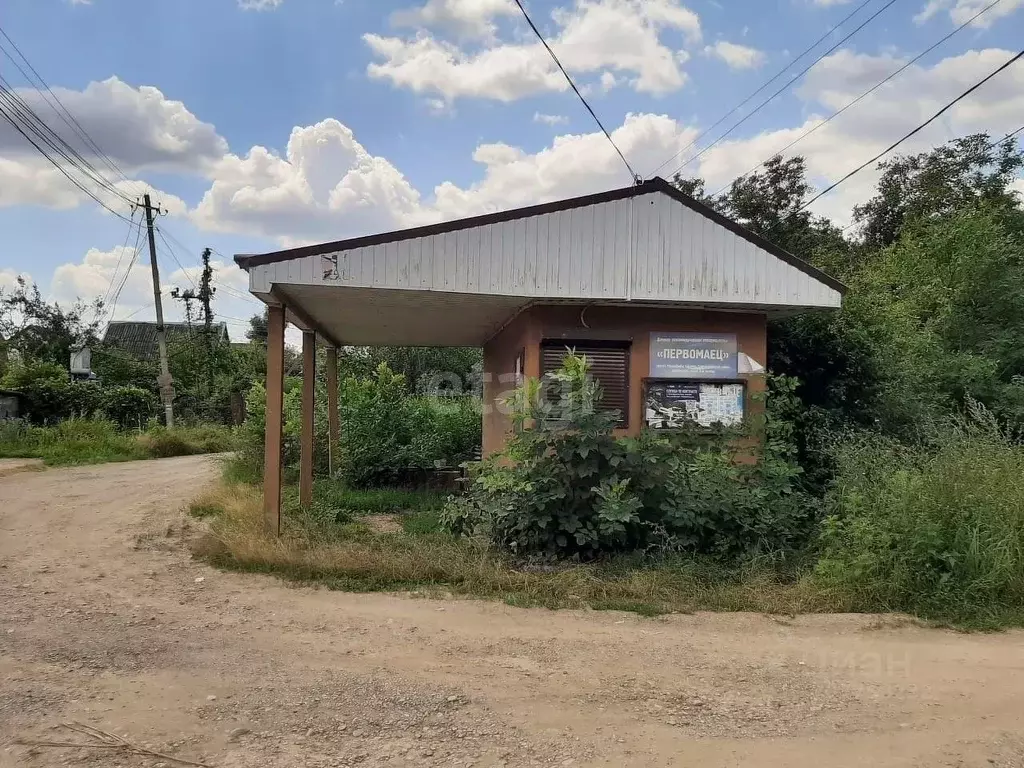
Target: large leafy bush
[(568, 487), (48, 393), (384, 432), (128, 406), (936, 529)]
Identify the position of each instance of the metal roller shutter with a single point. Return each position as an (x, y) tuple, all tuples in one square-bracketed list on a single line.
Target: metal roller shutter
[(609, 364)]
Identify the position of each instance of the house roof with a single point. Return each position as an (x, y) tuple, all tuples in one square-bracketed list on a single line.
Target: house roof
[(657, 184), (138, 338)]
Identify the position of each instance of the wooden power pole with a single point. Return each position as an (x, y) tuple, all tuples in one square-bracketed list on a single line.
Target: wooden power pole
[(164, 380)]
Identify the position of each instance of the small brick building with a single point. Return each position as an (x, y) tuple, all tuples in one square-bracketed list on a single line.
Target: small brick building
[(668, 300)]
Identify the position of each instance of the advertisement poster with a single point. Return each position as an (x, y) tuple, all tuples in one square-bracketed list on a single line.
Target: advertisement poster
[(672, 405), (693, 356)]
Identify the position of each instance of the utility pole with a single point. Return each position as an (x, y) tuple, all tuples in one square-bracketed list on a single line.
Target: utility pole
[(164, 380)]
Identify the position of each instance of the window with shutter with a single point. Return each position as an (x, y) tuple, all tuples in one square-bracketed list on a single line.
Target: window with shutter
[(609, 365)]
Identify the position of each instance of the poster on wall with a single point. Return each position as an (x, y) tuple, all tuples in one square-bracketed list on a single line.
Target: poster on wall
[(673, 405), (693, 356)]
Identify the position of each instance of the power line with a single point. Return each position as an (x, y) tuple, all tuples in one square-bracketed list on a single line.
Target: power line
[(175, 257), (992, 145), (124, 280), (120, 256), (572, 85), (765, 84), (58, 166), (62, 112), (231, 290), (771, 98), (864, 95), (30, 118), (919, 128)]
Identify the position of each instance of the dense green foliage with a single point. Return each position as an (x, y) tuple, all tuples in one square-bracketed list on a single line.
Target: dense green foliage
[(934, 529), (48, 394), (888, 465), (569, 487), (127, 406), (94, 441), (386, 433)]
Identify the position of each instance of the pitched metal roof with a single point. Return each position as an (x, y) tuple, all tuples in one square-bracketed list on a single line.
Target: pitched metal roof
[(657, 184), (138, 338)]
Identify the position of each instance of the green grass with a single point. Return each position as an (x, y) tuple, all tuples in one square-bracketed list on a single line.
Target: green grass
[(936, 531), (375, 501), (352, 557), (94, 441), (422, 523)]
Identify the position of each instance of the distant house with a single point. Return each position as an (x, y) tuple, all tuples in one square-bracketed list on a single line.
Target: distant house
[(10, 404), (138, 338)]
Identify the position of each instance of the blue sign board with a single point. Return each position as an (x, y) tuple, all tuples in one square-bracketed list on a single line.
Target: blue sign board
[(693, 356)]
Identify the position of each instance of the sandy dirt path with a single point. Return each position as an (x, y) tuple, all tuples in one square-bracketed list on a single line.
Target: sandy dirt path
[(105, 620)]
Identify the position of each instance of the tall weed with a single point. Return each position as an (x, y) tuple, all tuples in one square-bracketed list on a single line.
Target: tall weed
[(935, 530)]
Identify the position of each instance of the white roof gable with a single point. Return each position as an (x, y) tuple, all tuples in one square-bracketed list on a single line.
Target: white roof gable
[(648, 243)]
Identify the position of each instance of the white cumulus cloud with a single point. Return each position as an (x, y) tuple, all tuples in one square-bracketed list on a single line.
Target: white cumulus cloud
[(259, 5), (138, 129), (464, 18), (539, 117), (613, 36), (961, 11), (327, 186), (735, 55), (326, 182), (98, 270)]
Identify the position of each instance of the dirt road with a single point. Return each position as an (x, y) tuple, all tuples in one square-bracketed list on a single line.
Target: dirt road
[(105, 620)]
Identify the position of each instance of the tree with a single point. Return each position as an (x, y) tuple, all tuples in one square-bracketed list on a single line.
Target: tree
[(965, 172), (37, 330), (770, 203), (257, 331), (695, 188)]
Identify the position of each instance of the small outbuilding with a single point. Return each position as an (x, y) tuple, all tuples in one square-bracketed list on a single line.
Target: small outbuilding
[(668, 299), (138, 338)]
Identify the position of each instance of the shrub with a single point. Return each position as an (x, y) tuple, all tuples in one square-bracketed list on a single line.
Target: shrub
[(128, 406), (374, 428), (73, 441), (384, 431), (569, 487), (160, 442), (936, 530), (49, 394)]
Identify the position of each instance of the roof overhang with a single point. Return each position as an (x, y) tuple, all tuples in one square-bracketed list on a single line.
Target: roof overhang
[(456, 283)]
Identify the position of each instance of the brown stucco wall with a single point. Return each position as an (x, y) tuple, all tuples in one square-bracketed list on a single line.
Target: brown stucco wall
[(607, 323), (520, 335)]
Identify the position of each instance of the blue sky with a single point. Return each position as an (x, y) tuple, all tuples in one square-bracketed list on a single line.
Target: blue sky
[(268, 123)]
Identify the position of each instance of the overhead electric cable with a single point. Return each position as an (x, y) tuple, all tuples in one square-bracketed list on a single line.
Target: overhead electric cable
[(61, 110), (864, 95), (919, 128), (15, 124), (31, 120), (174, 256), (771, 98), (124, 280), (576, 90), (765, 84), (120, 256)]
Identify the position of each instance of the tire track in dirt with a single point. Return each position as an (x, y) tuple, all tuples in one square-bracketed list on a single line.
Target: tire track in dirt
[(105, 619)]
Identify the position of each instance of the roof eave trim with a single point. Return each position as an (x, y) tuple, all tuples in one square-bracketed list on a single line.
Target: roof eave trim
[(657, 184), (246, 261)]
